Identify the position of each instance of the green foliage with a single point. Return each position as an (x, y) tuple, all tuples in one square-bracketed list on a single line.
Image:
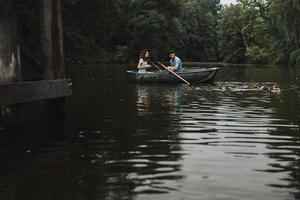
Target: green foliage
[(270, 30), (93, 30), (154, 28), (257, 55), (117, 30), (295, 57), (232, 42), (284, 30), (255, 31), (199, 30), (280, 58)]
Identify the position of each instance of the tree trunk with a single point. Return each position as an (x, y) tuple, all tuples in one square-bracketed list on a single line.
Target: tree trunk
[(244, 40), (242, 32), (9, 51)]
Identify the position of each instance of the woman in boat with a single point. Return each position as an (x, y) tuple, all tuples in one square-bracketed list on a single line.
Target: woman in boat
[(175, 62), (143, 62)]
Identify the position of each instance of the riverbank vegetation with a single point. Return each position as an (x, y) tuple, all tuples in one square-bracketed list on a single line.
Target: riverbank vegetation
[(260, 31), (109, 31), (251, 31)]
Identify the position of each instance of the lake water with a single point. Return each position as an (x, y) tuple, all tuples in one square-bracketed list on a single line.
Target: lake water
[(232, 140)]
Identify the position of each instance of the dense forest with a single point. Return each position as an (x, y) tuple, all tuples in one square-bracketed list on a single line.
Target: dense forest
[(251, 31)]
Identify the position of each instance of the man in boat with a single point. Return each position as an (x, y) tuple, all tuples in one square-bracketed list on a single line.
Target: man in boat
[(175, 62)]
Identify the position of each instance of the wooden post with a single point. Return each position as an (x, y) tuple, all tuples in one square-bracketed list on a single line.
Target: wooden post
[(52, 47), (54, 84), (10, 69), (58, 41), (52, 39), (46, 38)]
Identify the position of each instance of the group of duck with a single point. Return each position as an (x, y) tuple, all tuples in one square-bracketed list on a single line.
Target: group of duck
[(242, 87)]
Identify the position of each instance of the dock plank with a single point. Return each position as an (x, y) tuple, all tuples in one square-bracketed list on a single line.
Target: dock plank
[(22, 92)]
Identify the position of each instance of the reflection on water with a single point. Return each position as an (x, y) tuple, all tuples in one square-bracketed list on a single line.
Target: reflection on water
[(234, 143), (128, 141), (166, 95)]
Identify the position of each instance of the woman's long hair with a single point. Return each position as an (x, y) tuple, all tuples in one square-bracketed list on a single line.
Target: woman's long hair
[(143, 54)]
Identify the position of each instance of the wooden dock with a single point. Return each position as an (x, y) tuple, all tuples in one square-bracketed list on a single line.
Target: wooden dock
[(22, 92), (18, 79)]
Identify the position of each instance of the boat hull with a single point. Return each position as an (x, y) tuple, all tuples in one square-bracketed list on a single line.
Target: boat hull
[(203, 75)]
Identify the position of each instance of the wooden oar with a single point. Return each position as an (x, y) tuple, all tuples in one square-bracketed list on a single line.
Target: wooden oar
[(154, 65), (174, 73)]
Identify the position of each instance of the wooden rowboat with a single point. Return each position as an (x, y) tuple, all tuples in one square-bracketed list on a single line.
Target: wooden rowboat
[(203, 75)]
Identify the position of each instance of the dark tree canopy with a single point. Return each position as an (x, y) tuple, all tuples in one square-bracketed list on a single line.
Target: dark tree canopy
[(252, 31)]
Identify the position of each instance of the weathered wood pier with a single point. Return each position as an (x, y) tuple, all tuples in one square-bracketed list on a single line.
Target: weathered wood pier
[(17, 83)]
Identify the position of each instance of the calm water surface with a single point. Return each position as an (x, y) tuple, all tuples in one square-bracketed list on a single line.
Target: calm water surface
[(122, 140)]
